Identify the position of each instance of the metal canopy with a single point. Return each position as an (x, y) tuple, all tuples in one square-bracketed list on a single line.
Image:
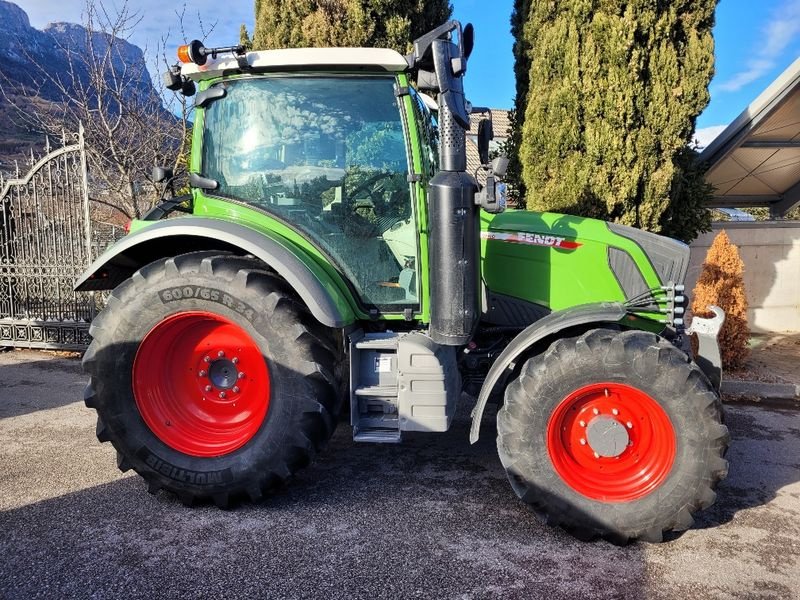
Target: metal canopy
[(755, 161)]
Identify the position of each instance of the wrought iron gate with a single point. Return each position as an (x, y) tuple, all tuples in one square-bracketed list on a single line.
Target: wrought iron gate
[(45, 243)]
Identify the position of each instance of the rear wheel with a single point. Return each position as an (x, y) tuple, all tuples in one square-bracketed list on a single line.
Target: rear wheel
[(613, 434), (210, 379)]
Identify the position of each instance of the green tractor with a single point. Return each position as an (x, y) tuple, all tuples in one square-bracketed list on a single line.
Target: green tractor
[(336, 248)]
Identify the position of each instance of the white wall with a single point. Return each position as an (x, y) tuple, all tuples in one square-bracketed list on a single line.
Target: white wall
[(771, 254)]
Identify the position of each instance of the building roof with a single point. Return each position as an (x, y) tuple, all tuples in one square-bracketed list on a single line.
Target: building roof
[(500, 122), (755, 161), (357, 59)]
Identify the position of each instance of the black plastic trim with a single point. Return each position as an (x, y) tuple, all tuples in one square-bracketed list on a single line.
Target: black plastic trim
[(627, 274), (311, 69), (202, 183), (162, 209), (507, 311), (669, 258), (207, 96)]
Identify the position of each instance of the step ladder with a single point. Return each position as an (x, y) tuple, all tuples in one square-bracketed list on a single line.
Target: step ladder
[(374, 387), (400, 382)]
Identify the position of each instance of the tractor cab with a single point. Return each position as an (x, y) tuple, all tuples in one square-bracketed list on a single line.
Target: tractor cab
[(326, 154), (327, 143)]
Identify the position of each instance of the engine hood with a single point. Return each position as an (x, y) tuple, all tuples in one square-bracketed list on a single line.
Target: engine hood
[(558, 261)]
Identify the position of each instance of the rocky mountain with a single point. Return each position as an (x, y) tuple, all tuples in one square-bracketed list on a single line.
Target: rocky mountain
[(29, 57)]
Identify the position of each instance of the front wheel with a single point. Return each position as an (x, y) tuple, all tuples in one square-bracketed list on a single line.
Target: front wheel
[(613, 434), (210, 379)]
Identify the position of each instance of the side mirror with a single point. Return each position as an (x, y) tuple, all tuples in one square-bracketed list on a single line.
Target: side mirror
[(500, 166), (188, 88), (469, 39), (485, 135), (161, 174)]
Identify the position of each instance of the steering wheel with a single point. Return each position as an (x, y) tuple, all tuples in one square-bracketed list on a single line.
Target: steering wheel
[(365, 186)]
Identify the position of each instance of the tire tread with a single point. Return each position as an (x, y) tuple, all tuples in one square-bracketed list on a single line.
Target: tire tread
[(317, 421)]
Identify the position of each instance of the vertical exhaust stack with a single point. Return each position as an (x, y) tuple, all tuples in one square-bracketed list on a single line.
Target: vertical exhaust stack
[(454, 257)]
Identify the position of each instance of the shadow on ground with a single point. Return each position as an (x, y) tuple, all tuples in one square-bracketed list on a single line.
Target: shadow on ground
[(764, 458), (432, 518), (32, 381)]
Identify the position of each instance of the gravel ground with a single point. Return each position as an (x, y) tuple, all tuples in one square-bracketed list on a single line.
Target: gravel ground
[(431, 518), (773, 359)]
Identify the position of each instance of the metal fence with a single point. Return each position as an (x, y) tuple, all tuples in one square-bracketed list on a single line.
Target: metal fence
[(47, 239)]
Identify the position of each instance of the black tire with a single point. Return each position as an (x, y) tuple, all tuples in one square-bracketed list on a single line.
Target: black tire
[(300, 359), (637, 359)]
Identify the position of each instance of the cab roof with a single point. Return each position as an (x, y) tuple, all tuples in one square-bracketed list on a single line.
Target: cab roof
[(302, 59)]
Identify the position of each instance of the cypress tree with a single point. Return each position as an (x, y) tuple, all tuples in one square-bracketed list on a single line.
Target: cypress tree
[(522, 67), (609, 105), (244, 38), (379, 23)]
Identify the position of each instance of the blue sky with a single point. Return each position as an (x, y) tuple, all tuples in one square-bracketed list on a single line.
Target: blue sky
[(755, 41)]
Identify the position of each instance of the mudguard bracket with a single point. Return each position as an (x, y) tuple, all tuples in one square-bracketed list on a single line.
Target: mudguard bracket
[(708, 356)]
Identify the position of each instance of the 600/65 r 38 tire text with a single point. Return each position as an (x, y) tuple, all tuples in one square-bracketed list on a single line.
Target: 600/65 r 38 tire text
[(210, 379), (613, 434)]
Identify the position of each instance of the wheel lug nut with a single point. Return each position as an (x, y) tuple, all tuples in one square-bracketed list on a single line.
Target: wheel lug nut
[(235, 360), (595, 411), (220, 353), (583, 442), (202, 373), (614, 411), (208, 388), (235, 389), (596, 455), (582, 423), (629, 425), (222, 394), (241, 375), (207, 359)]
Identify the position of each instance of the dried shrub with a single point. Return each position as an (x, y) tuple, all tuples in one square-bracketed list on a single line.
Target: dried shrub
[(721, 282)]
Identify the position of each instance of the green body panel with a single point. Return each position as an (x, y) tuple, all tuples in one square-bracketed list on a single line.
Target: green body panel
[(230, 211), (137, 224), (421, 195), (554, 260)]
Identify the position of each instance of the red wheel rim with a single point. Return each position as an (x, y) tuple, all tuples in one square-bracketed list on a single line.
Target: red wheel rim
[(611, 442), (201, 384)]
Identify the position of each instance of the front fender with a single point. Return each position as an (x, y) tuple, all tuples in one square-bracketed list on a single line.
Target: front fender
[(584, 314), (176, 236)]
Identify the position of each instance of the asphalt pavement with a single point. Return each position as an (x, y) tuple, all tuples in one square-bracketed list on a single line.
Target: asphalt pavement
[(431, 518)]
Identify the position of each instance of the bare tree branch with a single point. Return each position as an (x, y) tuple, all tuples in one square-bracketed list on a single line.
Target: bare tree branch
[(130, 124)]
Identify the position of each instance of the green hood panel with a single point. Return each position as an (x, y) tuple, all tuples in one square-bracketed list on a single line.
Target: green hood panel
[(559, 261)]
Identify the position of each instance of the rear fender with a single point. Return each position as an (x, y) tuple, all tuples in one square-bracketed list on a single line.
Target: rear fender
[(546, 327), (188, 234)]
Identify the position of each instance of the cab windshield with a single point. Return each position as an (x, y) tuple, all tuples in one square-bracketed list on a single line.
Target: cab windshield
[(328, 156)]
